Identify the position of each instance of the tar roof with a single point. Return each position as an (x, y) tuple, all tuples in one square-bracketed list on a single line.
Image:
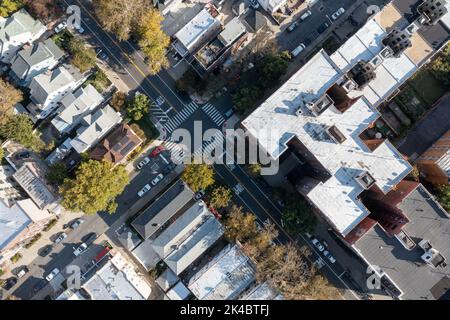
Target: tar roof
[(428, 221), (165, 207)]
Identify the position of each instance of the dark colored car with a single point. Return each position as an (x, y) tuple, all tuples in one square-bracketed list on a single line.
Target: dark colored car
[(9, 283), (168, 168), (230, 112), (323, 27), (45, 251), (23, 155), (89, 238)]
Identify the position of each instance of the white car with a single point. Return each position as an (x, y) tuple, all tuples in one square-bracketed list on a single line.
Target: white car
[(141, 164), (335, 15), (317, 244), (82, 248), (144, 190), (157, 179), (52, 274), (299, 49), (60, 27), (61, 237), (329, 256), (305, 15)]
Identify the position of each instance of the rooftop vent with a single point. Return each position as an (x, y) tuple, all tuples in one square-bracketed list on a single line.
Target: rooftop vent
[(412, 28), (362, 73), (336, 134), (365, 179), (431, 256), (431, 11), (349, 85), (398, 41), (320, 106)]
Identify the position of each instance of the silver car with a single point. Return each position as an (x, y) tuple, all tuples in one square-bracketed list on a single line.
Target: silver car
[(317, 244)]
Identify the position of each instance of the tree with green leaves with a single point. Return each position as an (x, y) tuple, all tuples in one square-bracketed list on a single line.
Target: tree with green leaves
[(57, 173), (7, 7), (9, 96), (198, 176), (444, 196), (19, 128), (220, 197), (440, 66), (82, 57), (153, 41), (298, 216), (138, 107), (272, 67), (254, 169), (245, 97), (2, 154), (94, 188)]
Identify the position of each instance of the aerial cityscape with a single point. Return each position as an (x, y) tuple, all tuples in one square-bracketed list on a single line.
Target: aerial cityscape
[(224, 150)]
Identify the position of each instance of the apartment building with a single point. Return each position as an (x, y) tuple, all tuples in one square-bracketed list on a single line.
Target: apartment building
[(324, 117)]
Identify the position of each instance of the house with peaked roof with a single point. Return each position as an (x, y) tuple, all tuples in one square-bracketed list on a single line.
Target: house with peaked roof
[(35, 59), (74, 107), (117, 145), (94, 127), (15, 31), (48, 89)]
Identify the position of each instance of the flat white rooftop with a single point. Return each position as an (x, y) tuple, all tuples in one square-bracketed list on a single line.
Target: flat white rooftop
[(196, 28), (276, 122)]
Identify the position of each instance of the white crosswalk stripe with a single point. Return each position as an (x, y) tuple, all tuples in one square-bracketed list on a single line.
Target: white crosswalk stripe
[(180, 117), (213, 113), (157, 113), (176, 151), (208, 146)]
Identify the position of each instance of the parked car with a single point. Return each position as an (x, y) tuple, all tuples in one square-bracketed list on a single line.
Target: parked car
[(329, 256), (22, 155), (230, 112), (298, 50), (156, 151), (335, 15), (81, 248), (76, 223), (167, 169), (9, 283), (199, 195), (323, 27), (89, 238), (45, 251), (141, 164), (292, 26), (60, 27), (60, 237), (317, 244), (157, 179), (144, 190), (305, 15), (23, 270), (38, 286), (52, 274)]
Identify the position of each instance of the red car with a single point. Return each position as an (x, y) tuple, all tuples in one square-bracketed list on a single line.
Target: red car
[(156, 151)]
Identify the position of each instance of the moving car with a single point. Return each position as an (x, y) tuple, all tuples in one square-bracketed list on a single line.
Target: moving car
[(323, 27), (156, 151), (293, 26), (82, 248), (157, 179), (52, 274), (141, 164), (317, 244), (335, 15), (305, 15), (61, 237), (9, 283), (76, 223), (144, 190), (60, 27), (329, 256), (297, 50)]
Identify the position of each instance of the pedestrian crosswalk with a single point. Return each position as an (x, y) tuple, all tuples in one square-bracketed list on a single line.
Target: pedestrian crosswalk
[(176, 151), (180, 117), (213, 113), (208, 146), (158, 114)]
